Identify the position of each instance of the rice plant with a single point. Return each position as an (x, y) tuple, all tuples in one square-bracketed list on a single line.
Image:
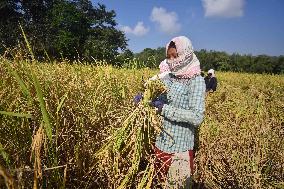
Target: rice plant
[(97, 138)]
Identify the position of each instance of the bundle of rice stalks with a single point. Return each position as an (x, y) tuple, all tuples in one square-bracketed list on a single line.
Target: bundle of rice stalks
[(126, 158)]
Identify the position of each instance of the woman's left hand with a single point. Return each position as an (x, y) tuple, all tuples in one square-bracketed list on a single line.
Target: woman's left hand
[(158, 104)]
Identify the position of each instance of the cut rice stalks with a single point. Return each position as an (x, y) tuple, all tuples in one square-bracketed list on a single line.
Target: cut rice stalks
[(127, 156)]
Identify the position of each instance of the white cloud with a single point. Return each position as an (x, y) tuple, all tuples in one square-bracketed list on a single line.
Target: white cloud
[(223, 8), (138, 30), (167, 21)]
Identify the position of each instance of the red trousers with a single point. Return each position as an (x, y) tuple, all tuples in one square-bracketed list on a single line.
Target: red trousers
[(164, 160)]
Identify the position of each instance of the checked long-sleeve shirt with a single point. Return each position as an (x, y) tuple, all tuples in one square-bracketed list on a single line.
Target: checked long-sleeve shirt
[(182, 113)]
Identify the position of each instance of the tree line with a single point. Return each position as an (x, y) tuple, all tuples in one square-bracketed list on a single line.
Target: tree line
[(220, 61)]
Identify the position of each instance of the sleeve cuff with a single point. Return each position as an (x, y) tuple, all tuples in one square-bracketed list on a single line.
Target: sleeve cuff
[(165, 110)]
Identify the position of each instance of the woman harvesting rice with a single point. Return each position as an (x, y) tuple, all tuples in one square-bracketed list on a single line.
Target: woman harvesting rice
[(182, 111)]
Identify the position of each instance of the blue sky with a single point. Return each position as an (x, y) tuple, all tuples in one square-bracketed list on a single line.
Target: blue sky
[(242, 26)]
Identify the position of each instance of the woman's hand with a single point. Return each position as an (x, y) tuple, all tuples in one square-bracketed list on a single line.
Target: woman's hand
[(158, 104)]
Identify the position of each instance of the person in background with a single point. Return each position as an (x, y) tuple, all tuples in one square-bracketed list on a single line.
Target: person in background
[(182, 111), (211, 81)]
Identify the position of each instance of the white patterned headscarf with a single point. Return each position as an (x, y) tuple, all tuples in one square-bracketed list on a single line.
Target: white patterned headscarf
[(186, 65), (164, 67)]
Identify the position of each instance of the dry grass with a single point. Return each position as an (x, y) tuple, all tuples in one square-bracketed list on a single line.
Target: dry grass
[(241, 140)]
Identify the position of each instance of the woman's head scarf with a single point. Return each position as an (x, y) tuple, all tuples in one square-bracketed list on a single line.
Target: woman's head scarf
[(186, 65)]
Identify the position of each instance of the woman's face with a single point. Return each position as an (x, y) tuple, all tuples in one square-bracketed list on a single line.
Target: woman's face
[(172, 53)]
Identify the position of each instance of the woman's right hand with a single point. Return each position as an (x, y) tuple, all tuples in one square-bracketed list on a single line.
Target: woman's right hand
[(156, 77)]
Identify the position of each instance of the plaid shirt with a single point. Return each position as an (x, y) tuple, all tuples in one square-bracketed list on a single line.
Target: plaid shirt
[(182, 113)]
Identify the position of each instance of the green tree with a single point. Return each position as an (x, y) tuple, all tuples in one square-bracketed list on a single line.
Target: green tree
[(152, 57), (9, 18), (68, 28), (279, 67), (124, 58), (86, 31), (104, 44)]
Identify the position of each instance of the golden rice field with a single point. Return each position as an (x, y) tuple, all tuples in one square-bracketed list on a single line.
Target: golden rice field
[(55, 118)]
